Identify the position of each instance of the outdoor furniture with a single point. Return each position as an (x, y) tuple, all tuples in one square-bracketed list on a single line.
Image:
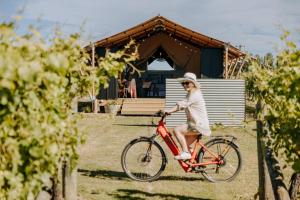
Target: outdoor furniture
[(146, 87)]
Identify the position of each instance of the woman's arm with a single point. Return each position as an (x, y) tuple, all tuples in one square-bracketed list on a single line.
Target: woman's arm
[(174, 109), (180, 105), (183, 104)]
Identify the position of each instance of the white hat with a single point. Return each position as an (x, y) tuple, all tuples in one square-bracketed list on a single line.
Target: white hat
[(191, 77)]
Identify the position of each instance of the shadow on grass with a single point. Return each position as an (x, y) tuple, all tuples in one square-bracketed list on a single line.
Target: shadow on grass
[(138, 194), (140, 125), (250, 110), (122, 176)]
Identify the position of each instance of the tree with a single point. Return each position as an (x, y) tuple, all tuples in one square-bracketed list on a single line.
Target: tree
[(268, 60)]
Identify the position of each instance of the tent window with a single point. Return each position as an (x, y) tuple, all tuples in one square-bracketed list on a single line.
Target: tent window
[(160, 65)]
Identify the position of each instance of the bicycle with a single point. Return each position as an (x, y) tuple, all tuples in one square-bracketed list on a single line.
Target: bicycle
[(212, 159)]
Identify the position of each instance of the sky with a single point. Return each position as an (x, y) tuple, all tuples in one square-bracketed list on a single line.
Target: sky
[(256, 25)]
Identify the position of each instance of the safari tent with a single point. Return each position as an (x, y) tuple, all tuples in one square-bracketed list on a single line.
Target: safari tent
[(168, 50)]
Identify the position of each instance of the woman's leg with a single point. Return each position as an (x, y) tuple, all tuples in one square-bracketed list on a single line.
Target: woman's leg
[(190, 139), (179, 132), (134, 92)]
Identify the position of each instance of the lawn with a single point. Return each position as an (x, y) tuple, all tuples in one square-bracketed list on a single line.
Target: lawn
[(101, 177)]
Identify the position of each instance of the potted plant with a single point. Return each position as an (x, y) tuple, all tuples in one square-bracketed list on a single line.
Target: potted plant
[(112, 106)]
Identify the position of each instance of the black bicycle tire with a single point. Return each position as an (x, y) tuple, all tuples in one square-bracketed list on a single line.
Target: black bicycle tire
[(131, 175), (232, 145)]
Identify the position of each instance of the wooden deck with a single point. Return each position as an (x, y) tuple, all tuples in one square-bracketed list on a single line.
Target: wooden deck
[(142, 106)]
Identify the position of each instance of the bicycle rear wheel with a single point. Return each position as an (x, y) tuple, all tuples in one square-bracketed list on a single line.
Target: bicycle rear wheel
[(143, 160), (229, 154)]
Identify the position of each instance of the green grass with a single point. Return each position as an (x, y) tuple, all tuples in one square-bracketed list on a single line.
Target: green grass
[(101, 177)]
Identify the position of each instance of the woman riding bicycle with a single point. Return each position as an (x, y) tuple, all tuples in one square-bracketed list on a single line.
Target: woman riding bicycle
[(195, 109)]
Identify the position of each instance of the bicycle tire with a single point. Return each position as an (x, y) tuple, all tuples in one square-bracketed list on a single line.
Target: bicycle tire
[(212, 146), (143, 159)]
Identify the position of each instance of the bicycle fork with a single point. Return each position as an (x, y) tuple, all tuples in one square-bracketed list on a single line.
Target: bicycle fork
[(148, 156)]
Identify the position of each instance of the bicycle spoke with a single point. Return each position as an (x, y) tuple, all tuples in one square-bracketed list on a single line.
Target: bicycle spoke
[(227, 171), (226, 152), (228, 168), (143, 160), (218, 149), (156, 155), (231, 166)]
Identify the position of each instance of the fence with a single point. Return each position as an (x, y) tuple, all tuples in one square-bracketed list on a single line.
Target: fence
[(225, 101)]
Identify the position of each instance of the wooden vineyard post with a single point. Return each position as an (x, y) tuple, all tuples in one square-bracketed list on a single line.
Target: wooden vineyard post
[(260, 154), (295, 186), (271, 185), (69, 176)]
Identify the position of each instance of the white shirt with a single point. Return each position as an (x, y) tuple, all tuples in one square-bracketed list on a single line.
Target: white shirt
[(195, 109)]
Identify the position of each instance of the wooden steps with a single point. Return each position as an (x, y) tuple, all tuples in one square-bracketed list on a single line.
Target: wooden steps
[(142, 106)]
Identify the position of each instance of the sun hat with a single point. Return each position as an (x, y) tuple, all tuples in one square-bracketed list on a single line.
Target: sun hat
[(190, 77)]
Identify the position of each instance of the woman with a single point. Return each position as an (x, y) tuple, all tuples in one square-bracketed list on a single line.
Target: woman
[(131, 86), (195, 109)]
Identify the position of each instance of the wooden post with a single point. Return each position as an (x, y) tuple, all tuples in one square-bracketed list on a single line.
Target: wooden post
[(93, 54), (56, 187), (69, 182), (94, 100), (270, 176), (295, 186), (93, 65), (260, 157), (226, 61)]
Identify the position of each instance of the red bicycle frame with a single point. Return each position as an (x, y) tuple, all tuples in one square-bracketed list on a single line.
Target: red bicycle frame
[(167, 137)]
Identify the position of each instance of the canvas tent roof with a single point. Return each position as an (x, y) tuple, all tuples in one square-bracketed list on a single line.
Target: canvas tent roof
[(181, 47), (163, 25)]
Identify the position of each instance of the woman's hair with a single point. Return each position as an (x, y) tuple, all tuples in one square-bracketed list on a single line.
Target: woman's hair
[(194, 85)]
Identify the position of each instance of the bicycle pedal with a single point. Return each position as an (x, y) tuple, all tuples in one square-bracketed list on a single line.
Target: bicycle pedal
[(200, 167), (199, 170)]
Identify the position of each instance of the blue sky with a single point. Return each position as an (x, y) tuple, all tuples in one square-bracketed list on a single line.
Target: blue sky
[(254, 24)]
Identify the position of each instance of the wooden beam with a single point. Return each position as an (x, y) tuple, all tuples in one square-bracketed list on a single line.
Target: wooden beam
[(237, 61), (226, 61), (242, 65), (232, 63), (239, 66), (229, 61)]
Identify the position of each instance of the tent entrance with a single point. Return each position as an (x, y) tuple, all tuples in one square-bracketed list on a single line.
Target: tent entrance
[(159, 66)]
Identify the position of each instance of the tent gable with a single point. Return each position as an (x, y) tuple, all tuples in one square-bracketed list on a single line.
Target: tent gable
[(161, 24)]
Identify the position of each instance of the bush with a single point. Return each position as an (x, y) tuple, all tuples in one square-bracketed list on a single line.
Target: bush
[(279, 88), (37, 85)]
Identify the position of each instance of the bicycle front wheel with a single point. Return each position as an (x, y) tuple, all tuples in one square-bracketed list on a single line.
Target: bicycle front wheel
[(230, 156), (143, 160)]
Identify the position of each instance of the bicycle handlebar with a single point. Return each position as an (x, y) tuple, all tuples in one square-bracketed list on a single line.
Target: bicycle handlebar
[(162, 114)]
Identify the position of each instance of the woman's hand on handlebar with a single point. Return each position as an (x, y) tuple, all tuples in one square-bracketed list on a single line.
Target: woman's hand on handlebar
[(166, 113), (171, 110), (163, 113)]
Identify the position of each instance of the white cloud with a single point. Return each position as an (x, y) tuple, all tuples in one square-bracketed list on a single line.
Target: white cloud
[(240, 22)]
